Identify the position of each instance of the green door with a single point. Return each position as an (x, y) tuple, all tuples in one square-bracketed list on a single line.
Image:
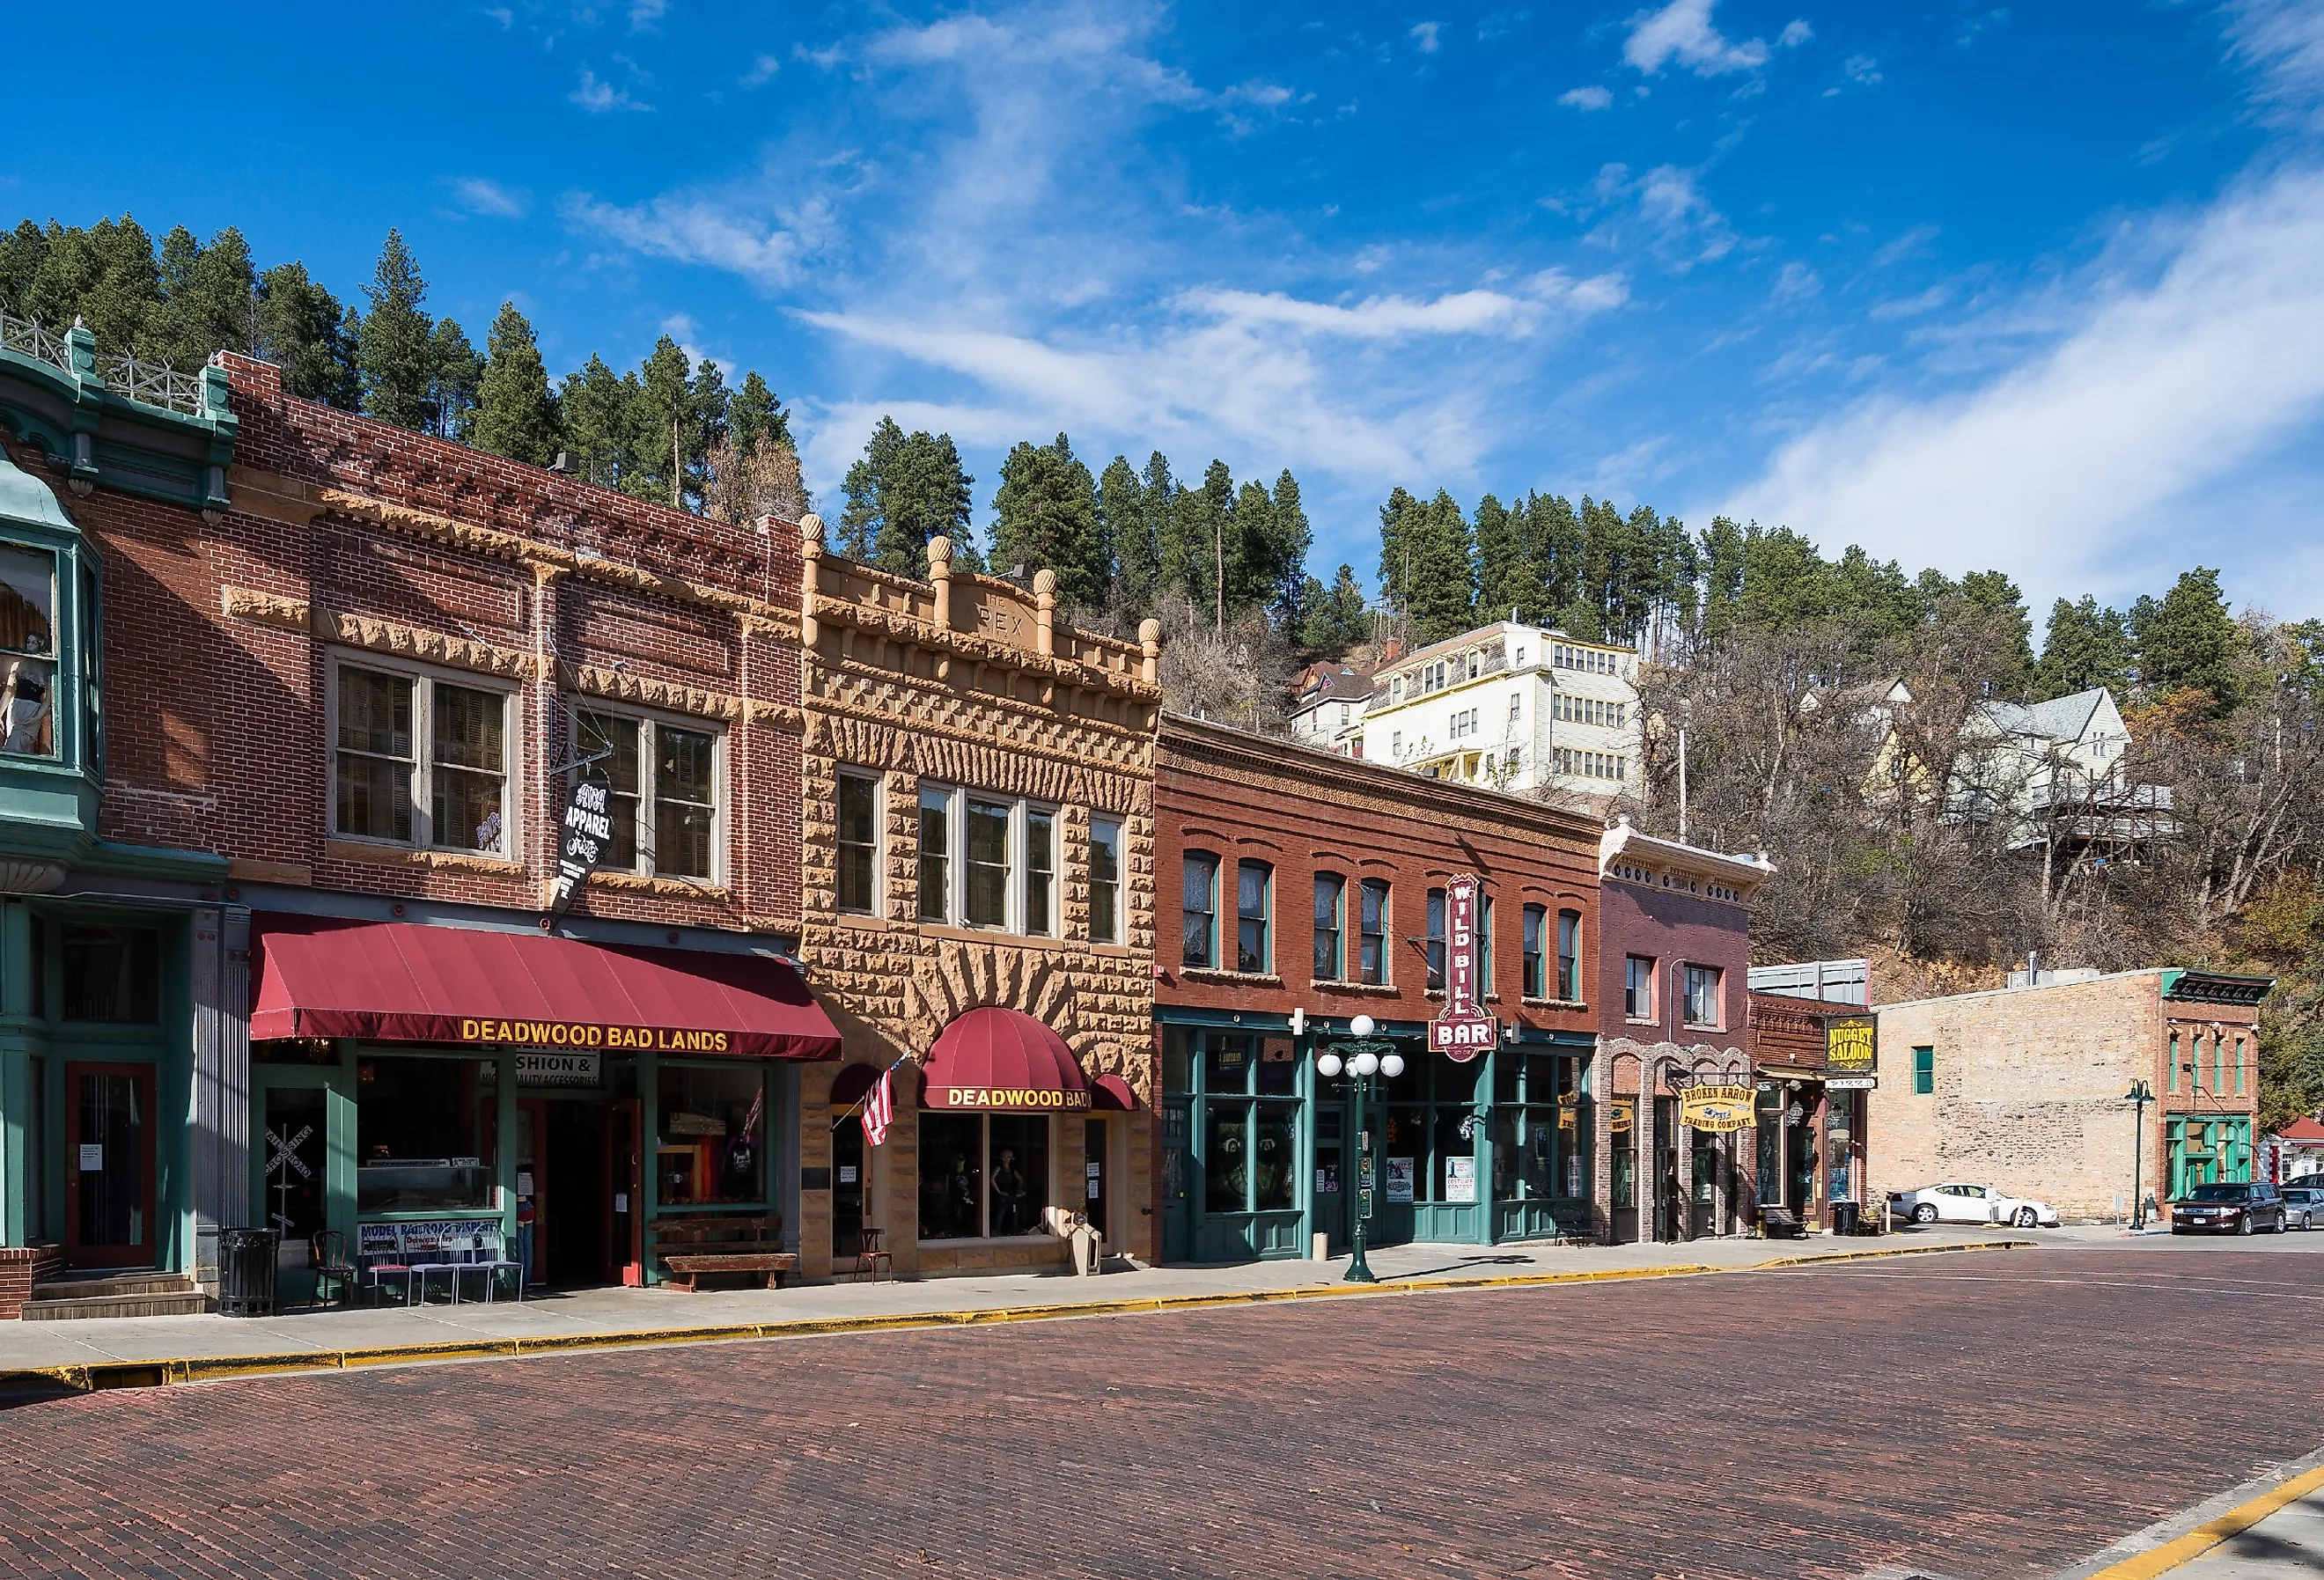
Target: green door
[(302, 1156)]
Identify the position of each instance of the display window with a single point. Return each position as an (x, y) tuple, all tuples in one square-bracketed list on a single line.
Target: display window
[(28, 647), (984, 1175), (710, 1139), (1541, 1127), (1430, 1134), (426, 1134)]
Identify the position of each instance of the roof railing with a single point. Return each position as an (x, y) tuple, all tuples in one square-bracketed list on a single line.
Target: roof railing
[(147, 382)]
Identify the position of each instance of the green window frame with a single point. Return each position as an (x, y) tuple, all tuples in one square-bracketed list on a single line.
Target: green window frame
[(1925, 1072)]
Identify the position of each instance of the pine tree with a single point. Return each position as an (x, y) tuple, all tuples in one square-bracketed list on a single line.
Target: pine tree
[(459, 373), (2086, 646), (1434, 582), (301, 328), (108, 276), (755, 412), (663, 417), (22, 252), (395, 346), (904, 489), (600, 427), (516, 415), (1509, 574), (1291, 536), (1195, 552), (2010, 661), (1251, 548), (1553, 530), (1396, 549), (1335, 619), (1129, 532), (1719, 552), (2189, 640), (1045, 513), (860, 518)]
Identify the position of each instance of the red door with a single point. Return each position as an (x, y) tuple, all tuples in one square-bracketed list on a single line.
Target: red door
[(109, 1134), (624, 1208)]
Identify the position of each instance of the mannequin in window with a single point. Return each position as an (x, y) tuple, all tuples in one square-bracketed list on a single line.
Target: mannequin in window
[(960, 1196), (1008, 1195)]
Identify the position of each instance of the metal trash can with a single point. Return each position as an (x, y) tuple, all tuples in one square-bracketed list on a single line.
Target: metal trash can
[(246, 1260), (1844, 1215)]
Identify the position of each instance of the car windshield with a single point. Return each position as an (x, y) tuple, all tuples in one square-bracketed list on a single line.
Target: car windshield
[(2220, 1193)]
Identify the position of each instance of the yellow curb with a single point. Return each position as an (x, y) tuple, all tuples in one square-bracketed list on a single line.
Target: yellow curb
[(101, 1376), (2170, 1555)]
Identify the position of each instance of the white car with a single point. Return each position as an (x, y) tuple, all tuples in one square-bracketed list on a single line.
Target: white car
[(1957, 1202)]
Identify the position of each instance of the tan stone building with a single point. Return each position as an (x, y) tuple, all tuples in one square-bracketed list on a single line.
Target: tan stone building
[(977, 842), (2026, 1089)]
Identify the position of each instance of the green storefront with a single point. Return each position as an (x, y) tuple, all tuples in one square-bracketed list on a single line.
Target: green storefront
[(109, 951), (1260, 1152)]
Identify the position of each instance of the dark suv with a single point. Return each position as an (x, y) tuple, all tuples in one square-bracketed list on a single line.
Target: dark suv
[(2228, 1209)]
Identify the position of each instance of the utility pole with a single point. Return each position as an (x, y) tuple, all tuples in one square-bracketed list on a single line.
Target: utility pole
[(1219, 558), (1682, 784)]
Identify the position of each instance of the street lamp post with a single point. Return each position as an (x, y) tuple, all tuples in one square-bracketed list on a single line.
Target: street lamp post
[(1364, 1059), (2139, 1095)]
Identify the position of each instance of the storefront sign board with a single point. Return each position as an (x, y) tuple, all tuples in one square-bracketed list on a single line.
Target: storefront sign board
[(1007, 1100), (1465, 1029), (1716, 1109), (588, 829), (1852, 1083), (1851, 1045), (558, 1069), (1461, 1179)]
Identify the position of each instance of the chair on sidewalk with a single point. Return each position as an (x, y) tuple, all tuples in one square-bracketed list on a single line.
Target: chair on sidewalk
[(328, 1254), (483, 1255), (871, 1253), (388, 1260)]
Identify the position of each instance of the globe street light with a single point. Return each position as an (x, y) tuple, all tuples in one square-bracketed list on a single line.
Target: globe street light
[(1363, 1060), (2139, 1095)]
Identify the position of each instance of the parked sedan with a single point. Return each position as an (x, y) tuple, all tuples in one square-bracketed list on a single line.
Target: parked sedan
[(2302, 1205), (1957, 1202), (2233, 1208)]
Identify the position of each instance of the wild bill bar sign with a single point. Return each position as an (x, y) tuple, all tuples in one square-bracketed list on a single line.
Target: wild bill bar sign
[(588, 829), (1465, 1029)]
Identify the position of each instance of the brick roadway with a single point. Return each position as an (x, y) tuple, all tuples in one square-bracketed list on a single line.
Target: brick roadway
[(1969, 1415)]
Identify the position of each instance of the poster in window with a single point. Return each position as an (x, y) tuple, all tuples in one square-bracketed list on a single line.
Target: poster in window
[(1399, 1180), (1461, 1179)]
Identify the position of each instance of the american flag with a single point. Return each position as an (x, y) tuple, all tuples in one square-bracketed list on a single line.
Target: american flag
[(880, 1107)]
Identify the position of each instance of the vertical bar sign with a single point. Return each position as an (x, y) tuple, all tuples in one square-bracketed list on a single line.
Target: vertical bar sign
[(588, 828), (1461, 939)]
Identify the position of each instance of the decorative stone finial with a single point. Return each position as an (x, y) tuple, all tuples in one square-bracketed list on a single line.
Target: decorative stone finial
[(1045, 611), (940, 554), (811, 533), (1149, 637), (1045, 582), (940, 573)]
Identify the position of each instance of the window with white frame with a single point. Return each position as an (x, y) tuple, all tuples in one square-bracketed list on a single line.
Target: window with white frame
[(1702, 985), (665, 784), (1105, 880), (987, 860), (419, 760), (859, 842)]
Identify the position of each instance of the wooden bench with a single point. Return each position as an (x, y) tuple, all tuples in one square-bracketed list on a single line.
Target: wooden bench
[(1781, 1223), (692, 1247)]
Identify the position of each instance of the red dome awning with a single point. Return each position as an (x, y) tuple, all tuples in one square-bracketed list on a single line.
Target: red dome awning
[(1111, 1092), (997, 1060)]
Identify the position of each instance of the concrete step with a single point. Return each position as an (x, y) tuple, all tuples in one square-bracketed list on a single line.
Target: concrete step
[(115, 1295)]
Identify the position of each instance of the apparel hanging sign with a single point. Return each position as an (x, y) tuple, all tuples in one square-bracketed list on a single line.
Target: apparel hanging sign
[(588, 830), (1465, 1029)]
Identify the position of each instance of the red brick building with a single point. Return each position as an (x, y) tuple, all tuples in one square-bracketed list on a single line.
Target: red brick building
[(1673, 971), (1296, 890), (346, 677)]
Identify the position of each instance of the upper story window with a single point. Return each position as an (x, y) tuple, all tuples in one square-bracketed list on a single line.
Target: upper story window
[(1198, 910), (1436, 940), (1330, 914), (1569, 956), (1484, 945), (665, 799), (1105, 880), (112, 974), (1638, 987), (1703, 996), (1536, 946), (1254, 911), (1371, 932), (859, 842), (418, 760), (28, 650), (987, 860)]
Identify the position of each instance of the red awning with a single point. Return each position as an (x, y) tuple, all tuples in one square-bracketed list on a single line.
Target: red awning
[(1002, 1060), (1114, 1092), (400, 982)]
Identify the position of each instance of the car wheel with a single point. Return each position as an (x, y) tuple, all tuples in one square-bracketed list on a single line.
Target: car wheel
[(1925, 1213), (2027, 1218), (2244, 1228), (2307, 1220)]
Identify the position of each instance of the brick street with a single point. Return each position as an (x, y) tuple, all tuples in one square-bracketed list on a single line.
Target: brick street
[(1964, 1416)]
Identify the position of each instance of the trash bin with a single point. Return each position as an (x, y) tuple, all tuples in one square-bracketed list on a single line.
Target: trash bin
[(1844, 1215), (246, 1260)]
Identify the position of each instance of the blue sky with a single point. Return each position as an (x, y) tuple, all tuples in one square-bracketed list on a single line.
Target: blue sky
[(2035, 286)]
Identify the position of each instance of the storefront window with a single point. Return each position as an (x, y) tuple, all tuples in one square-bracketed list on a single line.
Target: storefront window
[(1626, 1152), (1427, 1106), (1250, 1124), (112, 974), (1540, 1125), (711, 1146), (1769, 1112), (28, 647), (1226, 1156), (983, 1174), (425, 1133)]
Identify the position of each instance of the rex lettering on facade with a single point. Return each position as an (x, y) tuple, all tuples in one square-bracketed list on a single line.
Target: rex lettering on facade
[(564, 1034)]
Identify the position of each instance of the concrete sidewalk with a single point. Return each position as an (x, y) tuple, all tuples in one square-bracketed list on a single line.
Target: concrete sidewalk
[(145, 1350)]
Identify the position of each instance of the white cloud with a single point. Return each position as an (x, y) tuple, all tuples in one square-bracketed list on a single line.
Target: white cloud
[(1908, 306), (1682, 32), (1862, 69), (1796, 32), (2284, 40), (1912, 243), (701, 230), (645, 14), (1592, 97), (2074, 466), (1423, 33), (1663, 211), (597, 98), (1796, 283), (490, 199), (761, 71)]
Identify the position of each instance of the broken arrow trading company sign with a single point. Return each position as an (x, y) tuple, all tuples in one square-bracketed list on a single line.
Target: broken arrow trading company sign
[(588, 830)]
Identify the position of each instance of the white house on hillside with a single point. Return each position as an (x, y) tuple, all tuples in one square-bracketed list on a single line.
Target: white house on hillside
[(2056, 769), (1328, 714), (1516, 707)]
